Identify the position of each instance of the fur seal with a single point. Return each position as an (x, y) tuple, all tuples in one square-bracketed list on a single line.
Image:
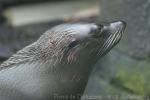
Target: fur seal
[(58, 64)]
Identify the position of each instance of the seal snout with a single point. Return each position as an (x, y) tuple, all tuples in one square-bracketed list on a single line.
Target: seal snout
[(114, 28), (119, 25)]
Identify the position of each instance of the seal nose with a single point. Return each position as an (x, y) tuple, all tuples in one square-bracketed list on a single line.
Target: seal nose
[(109, 28), (118, 25)]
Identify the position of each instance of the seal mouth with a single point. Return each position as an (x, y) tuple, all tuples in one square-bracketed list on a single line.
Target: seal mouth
[(112, 34)]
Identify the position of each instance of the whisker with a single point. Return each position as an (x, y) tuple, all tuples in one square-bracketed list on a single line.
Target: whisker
[(102, 48), (110, 41)]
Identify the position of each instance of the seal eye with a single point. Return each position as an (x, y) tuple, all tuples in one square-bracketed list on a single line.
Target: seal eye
[(73, 44)]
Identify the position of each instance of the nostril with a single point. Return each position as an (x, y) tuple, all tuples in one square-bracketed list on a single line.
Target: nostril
[(97, 31), (99, 26)]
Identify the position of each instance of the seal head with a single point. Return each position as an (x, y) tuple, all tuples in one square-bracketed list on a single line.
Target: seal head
[(59, 62), (90, 40)]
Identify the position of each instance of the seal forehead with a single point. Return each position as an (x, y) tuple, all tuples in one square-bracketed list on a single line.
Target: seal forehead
[(82, 30)]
